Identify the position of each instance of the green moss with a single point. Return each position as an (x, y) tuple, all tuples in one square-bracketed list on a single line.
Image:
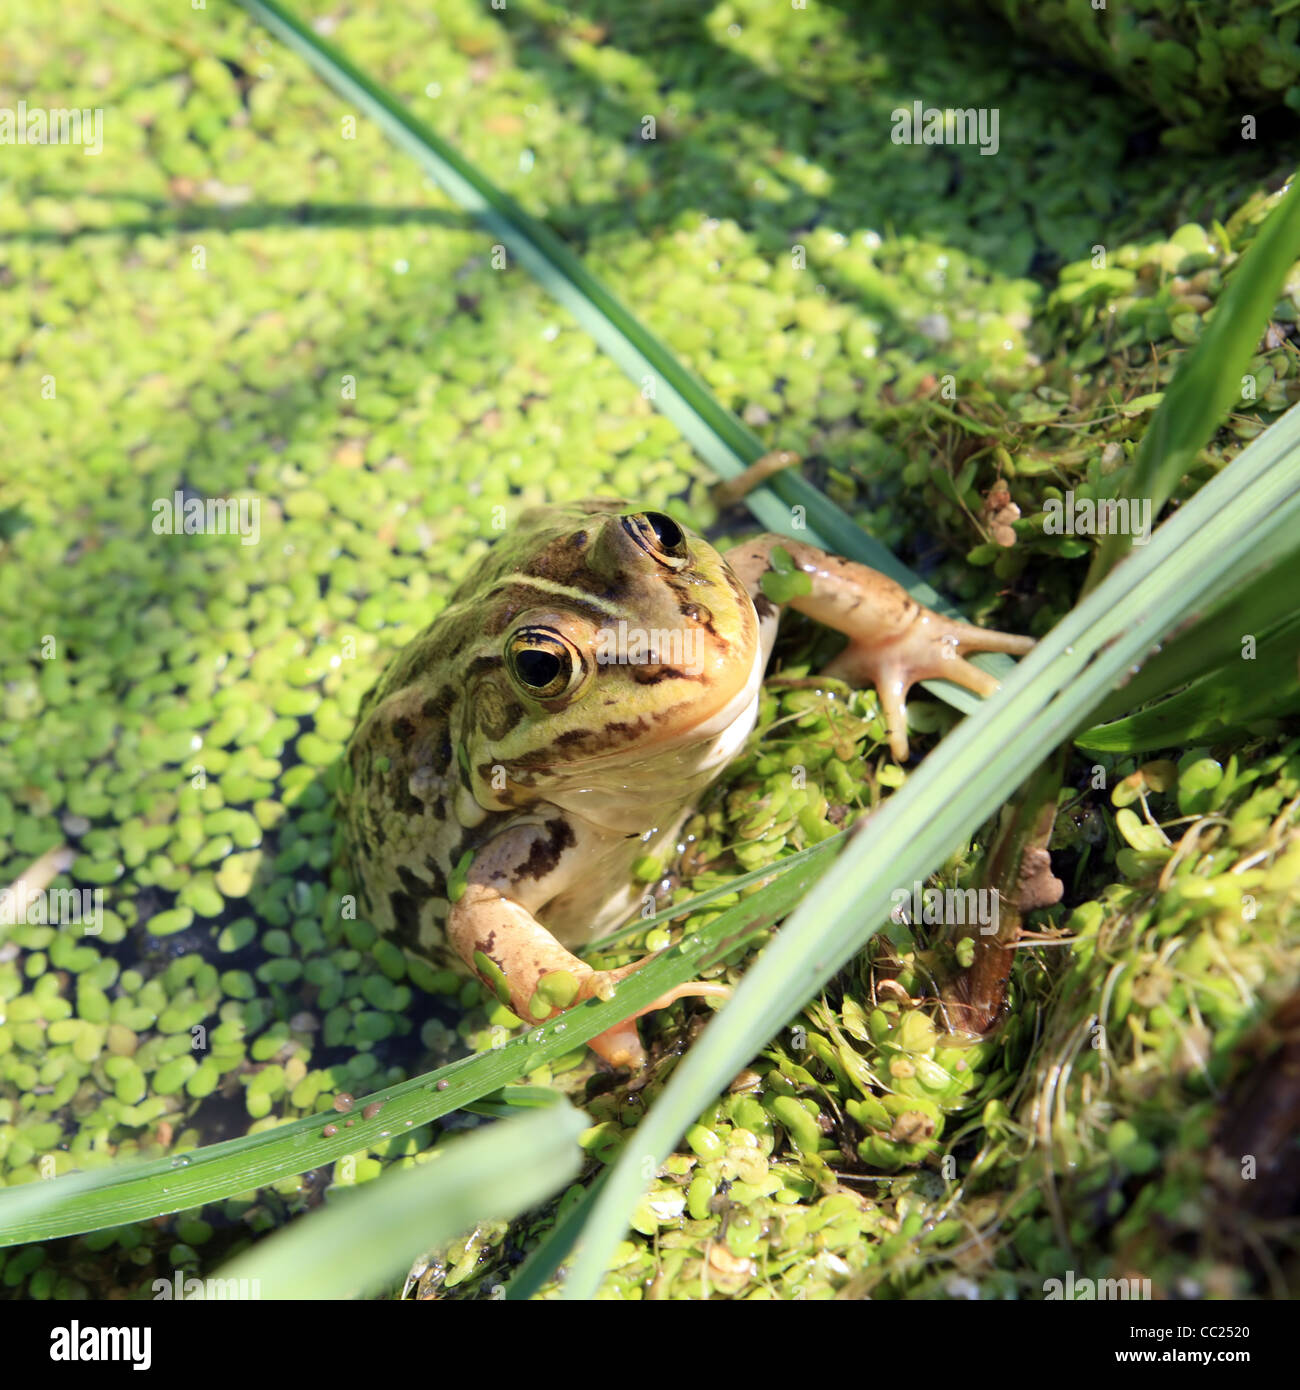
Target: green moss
[(1206, 69)]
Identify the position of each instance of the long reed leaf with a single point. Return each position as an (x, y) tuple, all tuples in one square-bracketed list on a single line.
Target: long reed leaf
[(1208, 381), (124, 1192), (385, 1224)]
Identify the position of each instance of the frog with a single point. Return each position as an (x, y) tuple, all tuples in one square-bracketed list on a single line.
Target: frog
[(563, 714)]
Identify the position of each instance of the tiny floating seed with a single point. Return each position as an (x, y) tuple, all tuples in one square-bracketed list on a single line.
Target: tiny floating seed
[(330, 1131), (343, 1102)]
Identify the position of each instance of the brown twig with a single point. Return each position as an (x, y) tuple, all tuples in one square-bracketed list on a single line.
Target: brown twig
[(1019, 871)]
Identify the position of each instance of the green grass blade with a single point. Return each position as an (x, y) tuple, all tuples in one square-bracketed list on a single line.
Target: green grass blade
[(1253, 597), (974, 770), (120, 1193), (673, 913), (1224, 701), (546, 1258), (383, 1225), (1208, 381), (715, 434)]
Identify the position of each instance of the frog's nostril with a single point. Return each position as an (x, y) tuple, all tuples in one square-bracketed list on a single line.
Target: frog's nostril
[(697, 613)]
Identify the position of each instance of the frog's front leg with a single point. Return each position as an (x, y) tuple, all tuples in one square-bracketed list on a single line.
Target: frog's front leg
[(893, 640), (493, 929)]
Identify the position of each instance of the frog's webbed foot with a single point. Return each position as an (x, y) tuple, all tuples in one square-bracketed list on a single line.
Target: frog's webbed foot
[(931, 647), (531, 972), (893, 640)]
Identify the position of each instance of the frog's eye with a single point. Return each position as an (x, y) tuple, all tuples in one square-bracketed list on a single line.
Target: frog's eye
[(660, 536), (542, 663)]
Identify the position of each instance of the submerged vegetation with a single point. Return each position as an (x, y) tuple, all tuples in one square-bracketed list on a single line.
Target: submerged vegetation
[(249, 294)]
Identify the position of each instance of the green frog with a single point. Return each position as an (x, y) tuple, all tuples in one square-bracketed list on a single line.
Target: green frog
[(559, 719)]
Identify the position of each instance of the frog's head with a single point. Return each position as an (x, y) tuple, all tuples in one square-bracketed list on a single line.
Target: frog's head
[(615, 639)]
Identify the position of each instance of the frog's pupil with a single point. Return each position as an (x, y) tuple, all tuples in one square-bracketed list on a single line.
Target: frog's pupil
[(666, 529), (536, 667)]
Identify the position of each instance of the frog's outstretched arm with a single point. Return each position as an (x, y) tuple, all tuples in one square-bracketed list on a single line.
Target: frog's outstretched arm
[(493, 930), (893, 640)]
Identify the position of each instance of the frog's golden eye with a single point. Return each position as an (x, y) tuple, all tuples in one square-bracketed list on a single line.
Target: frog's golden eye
[(543, 663), (660, 536)]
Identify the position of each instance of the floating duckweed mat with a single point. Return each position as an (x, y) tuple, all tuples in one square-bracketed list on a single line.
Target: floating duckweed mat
[(242, 296)]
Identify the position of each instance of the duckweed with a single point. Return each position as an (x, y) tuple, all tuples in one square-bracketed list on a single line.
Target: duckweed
[(183, 738)]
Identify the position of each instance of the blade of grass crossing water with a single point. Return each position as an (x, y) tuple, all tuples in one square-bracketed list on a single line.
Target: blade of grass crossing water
[(714, 432), (385, 1224), (122, 1192)]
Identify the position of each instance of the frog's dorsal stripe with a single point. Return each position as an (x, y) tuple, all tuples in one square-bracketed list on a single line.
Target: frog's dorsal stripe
[(551, 593)]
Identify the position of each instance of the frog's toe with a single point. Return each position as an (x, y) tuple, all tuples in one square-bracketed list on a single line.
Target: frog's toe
[(891, 690), (931, 649), (701, 989), (860, 666), (620, 1046), (602, 986)]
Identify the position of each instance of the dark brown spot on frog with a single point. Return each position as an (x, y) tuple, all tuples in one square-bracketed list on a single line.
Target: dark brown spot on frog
[(544, 855), (572, 737), (438, 706), (652, 675), (488, 662), (401, 797), (763, 606), (417, 887), (624, 729), (406, 920), (497, 715), (403, 730), (694, 612), (562, 562)]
